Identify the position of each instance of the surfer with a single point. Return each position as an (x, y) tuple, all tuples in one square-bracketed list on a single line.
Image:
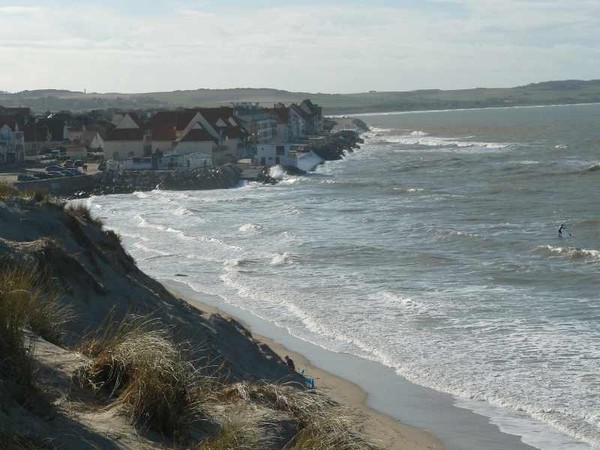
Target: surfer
[(560, 230)]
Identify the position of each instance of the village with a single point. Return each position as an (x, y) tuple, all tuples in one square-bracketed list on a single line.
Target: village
[(179, 139)]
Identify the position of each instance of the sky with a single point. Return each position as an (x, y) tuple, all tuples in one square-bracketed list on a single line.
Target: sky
[(309, 46)]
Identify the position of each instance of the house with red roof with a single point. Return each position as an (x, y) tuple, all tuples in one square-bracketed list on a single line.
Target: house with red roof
[(228, 132), (166, 127), (196, 140), (127, 139)]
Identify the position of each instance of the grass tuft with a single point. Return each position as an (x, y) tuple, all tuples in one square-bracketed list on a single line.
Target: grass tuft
[(27, 300), (322, 423), (136, 363), (234, 435), (15, 441), (32, 297), (82, 212)]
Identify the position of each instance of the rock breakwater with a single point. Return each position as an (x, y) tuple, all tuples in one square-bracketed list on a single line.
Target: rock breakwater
[(129, 181)]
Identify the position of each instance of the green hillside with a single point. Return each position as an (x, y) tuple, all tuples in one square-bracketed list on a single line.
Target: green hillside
[(552, 92)]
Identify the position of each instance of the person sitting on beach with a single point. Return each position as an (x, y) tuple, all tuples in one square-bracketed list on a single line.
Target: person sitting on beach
[(290, 363)]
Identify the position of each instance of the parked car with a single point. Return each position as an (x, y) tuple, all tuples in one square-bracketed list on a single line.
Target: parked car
[(54, 168), (42, 175), (25, 177), (78, 163), (73, 172), (68, 164)]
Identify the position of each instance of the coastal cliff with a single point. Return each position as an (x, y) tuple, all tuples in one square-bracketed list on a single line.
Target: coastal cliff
[(104, 354)]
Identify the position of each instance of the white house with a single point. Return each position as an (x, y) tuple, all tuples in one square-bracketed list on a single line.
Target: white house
[(167, 127), (226, 129), (259, 122), (196, 140), (124, 143), (127, 139), (287, 154)]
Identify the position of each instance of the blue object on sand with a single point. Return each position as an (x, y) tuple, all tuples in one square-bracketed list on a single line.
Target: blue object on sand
[(308, 382)]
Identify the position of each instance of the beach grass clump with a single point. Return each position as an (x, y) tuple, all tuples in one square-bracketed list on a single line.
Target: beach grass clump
[(136, 363), (329, 432), (10, 440), (82, 212), (31, 300), (322, 424), (27, 301), (234, 434)]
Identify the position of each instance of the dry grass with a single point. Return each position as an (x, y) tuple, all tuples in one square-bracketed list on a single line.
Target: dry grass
[(136, 363), (16, 441), (82, 212), (322, 423), (34, 299), (234, 435), (27, 300), (7, 191)]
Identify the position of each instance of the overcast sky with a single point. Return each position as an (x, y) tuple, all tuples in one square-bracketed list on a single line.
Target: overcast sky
[(309, 45)]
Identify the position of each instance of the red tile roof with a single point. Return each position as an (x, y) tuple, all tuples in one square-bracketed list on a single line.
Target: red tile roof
[(197, 135), (123, 134)]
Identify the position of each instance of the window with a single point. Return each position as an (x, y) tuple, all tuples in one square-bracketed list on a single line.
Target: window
[(280, 150)]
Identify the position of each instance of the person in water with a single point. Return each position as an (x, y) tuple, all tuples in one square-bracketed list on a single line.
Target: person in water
[(560, 230), (290, 363)]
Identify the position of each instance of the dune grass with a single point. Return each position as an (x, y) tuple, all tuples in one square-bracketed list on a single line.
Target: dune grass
[(322, 424), (136, 364), (27, 301), (82, 212), (234, 434), (15, 441), (31, 300)]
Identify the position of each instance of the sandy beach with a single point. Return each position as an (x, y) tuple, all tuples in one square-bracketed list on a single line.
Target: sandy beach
[(383, 430), (397, 414)]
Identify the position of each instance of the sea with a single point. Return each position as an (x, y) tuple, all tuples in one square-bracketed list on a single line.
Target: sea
[(433, 250)]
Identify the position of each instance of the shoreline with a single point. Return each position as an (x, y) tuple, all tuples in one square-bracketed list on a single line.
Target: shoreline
[(404, 415), (378, 427)]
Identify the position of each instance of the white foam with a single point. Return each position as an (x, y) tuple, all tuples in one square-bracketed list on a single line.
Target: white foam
[(572, 253), (277, 172), (250, 228), (280, 259)]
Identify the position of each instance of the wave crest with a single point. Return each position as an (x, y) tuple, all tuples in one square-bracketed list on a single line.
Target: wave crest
[(572, 253)]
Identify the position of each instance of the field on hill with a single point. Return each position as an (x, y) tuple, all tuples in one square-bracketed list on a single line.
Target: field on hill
[(547, 93)]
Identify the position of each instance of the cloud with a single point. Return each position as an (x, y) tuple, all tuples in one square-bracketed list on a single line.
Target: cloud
[(19, 10), (353, 47)]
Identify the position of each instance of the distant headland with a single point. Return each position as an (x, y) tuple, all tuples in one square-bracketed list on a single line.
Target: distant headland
[(544, 93)]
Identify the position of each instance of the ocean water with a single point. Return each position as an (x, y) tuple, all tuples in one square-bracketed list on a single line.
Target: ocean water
[(433, 249)]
